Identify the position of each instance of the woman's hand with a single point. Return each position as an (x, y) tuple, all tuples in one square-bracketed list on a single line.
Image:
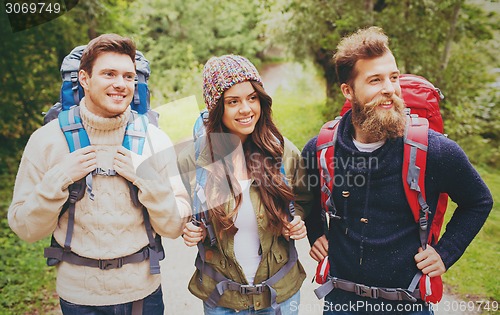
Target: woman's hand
[(193, 234), (296, 229)]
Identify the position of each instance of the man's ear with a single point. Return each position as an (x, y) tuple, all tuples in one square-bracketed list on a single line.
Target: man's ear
[(83, 77), (347, 91)]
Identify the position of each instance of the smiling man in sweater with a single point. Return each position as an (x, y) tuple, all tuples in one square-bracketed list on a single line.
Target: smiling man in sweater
[(374, 243), (108, 268)]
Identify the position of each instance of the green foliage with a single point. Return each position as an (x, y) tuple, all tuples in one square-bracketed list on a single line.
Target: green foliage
[(452, 43), (471, 107), (179, 36), (28, 83), (29, 64), (298, 101), (27, 285)]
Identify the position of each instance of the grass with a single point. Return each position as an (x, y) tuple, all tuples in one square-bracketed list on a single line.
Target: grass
[(27, 285), (475, 276), (177, 118)]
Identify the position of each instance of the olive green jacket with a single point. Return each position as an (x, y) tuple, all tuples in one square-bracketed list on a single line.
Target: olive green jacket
[(274, 249)]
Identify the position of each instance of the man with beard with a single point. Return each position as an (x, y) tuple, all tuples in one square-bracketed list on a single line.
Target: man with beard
[(374, 241)]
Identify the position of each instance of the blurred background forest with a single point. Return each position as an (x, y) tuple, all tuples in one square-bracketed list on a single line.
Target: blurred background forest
[(453, 43)]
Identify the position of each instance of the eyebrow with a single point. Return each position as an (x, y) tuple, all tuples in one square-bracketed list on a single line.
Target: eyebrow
[(116, 70), (234, 96), (380, 74)]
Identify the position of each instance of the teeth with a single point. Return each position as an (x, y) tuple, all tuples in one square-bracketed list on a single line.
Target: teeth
[(117, 97), (246, 120)]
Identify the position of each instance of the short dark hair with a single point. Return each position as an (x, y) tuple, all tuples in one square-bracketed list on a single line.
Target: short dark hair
[(364, 44), (106, 43)]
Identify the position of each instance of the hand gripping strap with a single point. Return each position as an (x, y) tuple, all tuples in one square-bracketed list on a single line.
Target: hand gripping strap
[(76, 136), (414, 166)]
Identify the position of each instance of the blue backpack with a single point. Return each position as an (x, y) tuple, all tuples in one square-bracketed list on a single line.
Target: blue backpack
[(67, 111), (200, 216)]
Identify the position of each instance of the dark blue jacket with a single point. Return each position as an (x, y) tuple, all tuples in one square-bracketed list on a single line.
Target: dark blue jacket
[(381, 251)]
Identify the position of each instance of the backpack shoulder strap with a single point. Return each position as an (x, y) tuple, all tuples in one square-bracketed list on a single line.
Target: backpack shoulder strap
[(325, 151), (134, 140), (414, 165), (291, 205), (416, 140), (77, 138), (200, 208), (135, 132), (72, 127)]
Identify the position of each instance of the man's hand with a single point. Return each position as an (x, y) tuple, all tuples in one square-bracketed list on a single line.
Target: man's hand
[(296, 229), (319, 250), (193, 234), (429, 262), (123, 164), (79, 163)]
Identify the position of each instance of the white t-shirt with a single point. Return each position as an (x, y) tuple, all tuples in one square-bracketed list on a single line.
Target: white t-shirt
[(246, 240), (368, 147)]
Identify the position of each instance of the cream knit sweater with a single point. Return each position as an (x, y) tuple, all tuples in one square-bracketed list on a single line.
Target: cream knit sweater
[(108, 227)]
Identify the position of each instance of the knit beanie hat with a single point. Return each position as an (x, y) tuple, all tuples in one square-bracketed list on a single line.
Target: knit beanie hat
[(221, 73)]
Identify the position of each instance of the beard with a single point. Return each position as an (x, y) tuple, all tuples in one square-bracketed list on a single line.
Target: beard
[(380, 124)]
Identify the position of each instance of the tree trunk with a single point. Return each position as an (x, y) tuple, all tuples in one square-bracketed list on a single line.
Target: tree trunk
[(92, 33), (369, 5), (449, 39), (324, 58)]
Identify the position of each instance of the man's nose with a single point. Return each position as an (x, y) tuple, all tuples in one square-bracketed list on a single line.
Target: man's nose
[(388, 87), (119, 82)]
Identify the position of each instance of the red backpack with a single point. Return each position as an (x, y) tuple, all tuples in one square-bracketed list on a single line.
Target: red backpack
[(422, 103)]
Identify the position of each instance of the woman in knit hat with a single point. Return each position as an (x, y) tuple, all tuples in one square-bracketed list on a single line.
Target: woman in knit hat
[(255, 196)]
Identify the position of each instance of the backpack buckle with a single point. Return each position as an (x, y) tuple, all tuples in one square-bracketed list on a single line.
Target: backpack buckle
[(106, 264), (405, 295), (366, 291), (103, 172), (73, 196), (423, 223), (333, 216), (251, 289)]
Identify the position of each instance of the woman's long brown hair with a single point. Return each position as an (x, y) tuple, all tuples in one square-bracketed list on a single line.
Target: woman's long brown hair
[(263, 151)]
